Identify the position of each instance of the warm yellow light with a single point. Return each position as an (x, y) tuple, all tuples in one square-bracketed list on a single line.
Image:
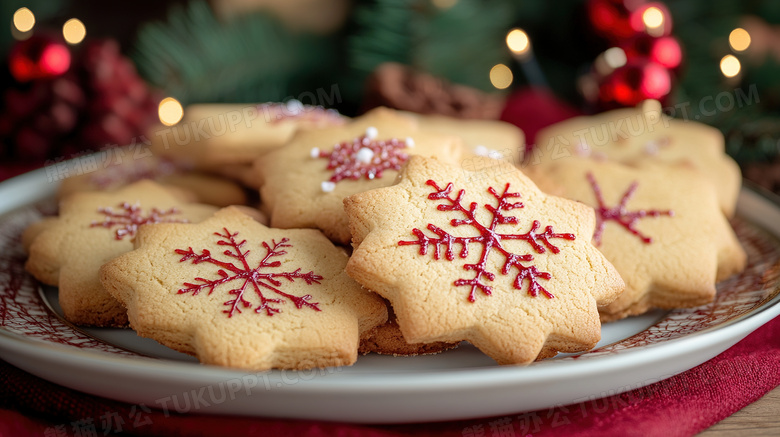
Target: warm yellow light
[(739, 39), (518, 42), (24, 20), (74, 31), (730, 66), (615, 57), (501, 76), (170, 111), (444, 4), (653, 18)]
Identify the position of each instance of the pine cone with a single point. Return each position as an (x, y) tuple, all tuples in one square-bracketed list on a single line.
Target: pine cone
[(39, 116), (400, 87), (99, 102)]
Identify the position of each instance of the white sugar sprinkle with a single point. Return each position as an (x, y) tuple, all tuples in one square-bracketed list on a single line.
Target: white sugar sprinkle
[(294, 106), (328, 186), (651, 148), (315, 152), (481, 150), (364, 155), (372, 132), (409, 142)]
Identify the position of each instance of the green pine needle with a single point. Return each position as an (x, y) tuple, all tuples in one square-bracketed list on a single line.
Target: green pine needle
[(461, 43), (196, 58)]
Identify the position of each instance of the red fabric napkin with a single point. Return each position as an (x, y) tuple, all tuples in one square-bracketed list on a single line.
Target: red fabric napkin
[(679, 406), (532, 109)]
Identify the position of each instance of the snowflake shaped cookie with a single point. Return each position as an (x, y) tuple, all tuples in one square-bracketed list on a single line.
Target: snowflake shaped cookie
[(661, 228), (235, 293), (93, 228), (642, 136), (218, 138), (119, 167), (497, 263), (304, 182)]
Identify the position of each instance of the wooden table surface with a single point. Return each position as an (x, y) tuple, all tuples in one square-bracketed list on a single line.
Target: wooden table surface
[(761, 418)]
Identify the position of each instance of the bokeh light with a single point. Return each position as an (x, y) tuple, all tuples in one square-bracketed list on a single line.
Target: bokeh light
[(730, 66), (170, 111), (74, 31), (501, 76), (24, 20), (739, 39), (518, 42), (653, 17)]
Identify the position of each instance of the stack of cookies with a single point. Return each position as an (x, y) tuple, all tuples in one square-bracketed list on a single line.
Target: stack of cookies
[(391, 233), (662, 191)]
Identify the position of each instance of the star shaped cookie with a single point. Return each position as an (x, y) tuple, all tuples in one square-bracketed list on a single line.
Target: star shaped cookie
[(235, 293), (214, 137), (660, 226), (639, 136), (482, 138), (204, 188), (496, 262), (304, 182), (93, 228)]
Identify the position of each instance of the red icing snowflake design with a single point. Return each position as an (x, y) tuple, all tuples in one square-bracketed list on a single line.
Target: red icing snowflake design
[(619, 213), (490, 239), (364, 157), (131, 217), (247, 275)]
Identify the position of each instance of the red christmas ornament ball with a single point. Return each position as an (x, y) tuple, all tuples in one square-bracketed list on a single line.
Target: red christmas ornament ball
[(636, 81), (39, 57), (665, 50), (612, 19)]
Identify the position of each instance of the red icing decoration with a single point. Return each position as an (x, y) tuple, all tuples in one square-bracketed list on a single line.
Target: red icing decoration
[(489, 239), (345, 165), (619, 214), (248, 275), (131, 217)]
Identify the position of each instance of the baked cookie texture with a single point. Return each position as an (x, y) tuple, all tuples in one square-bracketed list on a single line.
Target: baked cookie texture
[(235, 293), (642, 136), (387, 339), (211, 136), (660, 226), (495, 138), (300, 191), (34, 229), (496, 262), (93, 228), (203, 187)]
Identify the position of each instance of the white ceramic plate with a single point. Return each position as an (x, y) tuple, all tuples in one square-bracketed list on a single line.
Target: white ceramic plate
[(457, 384)]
